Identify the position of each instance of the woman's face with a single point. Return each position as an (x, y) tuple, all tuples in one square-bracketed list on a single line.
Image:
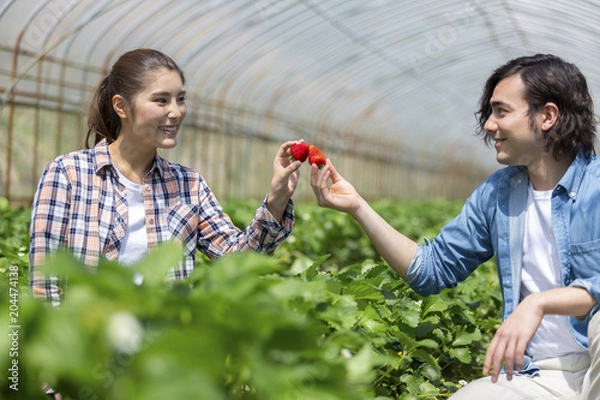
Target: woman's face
[(157, 112)]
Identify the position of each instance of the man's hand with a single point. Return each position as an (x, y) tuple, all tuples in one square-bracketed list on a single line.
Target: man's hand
[(510, 341), (340, 195)]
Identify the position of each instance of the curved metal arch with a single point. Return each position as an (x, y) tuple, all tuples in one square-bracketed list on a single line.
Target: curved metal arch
[(195, 55), (326, 90), (67, 42), (139, 37), (7, 4), (15, 76), (101, 34), (42, 53), (234, 64), (225, 81)]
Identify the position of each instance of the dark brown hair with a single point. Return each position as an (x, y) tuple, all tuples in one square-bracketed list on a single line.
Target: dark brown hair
[(548, 78), (127, 78)]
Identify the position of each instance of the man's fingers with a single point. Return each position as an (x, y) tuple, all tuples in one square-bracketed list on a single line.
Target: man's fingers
[(509, 362), (495, 357), (488, 362)]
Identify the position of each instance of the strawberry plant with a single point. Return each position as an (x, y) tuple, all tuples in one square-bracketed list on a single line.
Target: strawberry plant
[(14, 241), (323, 318)]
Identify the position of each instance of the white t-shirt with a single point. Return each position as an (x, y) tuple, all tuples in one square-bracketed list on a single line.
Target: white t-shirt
[(541, 271), (135, 242)]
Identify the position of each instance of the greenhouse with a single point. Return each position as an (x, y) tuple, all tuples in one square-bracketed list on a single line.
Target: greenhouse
[(389, 90)]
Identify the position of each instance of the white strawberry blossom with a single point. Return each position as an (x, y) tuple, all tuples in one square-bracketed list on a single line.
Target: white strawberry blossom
[(125, 332)]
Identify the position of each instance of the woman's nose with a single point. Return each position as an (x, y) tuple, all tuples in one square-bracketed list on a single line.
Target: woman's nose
[(176, 110)]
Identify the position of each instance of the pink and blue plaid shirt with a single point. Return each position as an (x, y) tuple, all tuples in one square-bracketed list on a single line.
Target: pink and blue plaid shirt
[(80, 205)]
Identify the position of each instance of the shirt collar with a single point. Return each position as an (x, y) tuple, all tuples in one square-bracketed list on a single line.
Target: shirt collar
[(103, 159), (571, 180)]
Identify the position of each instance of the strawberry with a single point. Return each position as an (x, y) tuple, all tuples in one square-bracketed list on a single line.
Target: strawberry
[(316, 156), (299, 151)]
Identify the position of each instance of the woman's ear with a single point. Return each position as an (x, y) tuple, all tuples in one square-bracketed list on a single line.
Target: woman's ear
[(120, 106), (549, 116)]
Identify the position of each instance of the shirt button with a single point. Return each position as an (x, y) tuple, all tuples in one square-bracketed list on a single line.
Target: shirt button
[(151, 221), (148, 188)]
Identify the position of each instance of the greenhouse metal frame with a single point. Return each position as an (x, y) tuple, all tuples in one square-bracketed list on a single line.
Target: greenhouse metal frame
[(388, 89)]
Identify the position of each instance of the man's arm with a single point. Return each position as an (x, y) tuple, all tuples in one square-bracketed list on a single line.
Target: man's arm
[(395, 248)]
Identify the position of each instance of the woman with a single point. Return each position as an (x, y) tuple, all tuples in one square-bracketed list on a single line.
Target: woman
[(120, 199)]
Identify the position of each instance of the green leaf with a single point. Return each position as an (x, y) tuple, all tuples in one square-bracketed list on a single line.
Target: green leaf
[(430, 372), (362, 290), (341, 312), (434, 304), (427, 388), (412, 383), (360, 366), (370, 319), (433, 366), (464, 338), (407, 342), (430, 343), (63, 264), (463, 354), (300, 264), (410, 317), (310, 292), (311, 272), (155, 266)]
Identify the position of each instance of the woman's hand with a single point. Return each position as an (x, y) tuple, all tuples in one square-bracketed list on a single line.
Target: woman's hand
[(286, 173)]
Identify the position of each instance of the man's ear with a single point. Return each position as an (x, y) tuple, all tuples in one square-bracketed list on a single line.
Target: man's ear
[(120, 106), (549, 115)]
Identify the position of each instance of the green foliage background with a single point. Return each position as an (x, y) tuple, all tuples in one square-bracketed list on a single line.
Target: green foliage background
[(323, 318)]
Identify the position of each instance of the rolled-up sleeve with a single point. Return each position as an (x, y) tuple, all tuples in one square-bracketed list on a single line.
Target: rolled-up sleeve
[(218, 235), (48, 228)]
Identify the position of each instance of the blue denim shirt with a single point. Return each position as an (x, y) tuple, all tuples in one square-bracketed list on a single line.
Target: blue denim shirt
[(491, 223)]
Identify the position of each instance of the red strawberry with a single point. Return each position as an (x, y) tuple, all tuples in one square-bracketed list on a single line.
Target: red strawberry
[(299, 151), (316, 156)]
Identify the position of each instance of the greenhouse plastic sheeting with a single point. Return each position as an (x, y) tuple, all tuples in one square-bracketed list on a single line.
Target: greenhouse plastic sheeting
[(407, 72)]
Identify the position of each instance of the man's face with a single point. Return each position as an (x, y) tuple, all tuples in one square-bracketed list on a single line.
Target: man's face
[(518, 140)]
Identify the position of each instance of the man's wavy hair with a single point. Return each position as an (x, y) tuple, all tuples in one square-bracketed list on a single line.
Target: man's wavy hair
[(548, 78)]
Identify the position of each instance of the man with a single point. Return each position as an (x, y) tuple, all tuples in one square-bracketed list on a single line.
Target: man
[(538, 217)]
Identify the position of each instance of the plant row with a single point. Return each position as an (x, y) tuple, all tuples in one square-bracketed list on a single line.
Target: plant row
[(323, 318)]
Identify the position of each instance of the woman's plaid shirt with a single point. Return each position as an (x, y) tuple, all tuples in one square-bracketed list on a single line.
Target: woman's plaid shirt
[(80, 206)]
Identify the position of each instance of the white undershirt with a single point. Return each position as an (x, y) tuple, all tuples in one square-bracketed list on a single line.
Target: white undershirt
[(541, 271), (135, 243)]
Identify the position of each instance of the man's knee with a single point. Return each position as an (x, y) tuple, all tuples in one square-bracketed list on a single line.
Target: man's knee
[(519, 388), (594, 335), (595, 323)]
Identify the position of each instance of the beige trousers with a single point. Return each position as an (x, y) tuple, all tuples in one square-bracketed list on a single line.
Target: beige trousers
[(575, 377)]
